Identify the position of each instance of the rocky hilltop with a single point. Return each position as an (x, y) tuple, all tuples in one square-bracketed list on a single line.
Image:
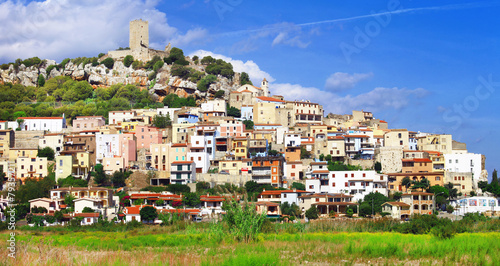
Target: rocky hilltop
[(101, 76)]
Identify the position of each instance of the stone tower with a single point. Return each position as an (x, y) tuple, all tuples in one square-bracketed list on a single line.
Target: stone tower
[(265, 88), (139, 34)]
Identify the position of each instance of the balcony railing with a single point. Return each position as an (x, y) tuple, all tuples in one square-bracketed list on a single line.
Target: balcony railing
[(261, 172)]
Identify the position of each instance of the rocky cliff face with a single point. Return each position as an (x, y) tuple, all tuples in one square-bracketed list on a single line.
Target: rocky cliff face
[(100, 76)]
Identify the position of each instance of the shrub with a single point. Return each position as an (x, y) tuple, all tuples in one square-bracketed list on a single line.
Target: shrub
[(128, 60), (449, 208), (312, 213), (219, 94), (148, 213), (243, 221), (444, 231), (108, 62)]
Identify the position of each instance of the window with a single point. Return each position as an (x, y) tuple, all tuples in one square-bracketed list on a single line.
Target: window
[(311, 186), (293, 166), (60, 162), (346, 184), (292, 174), (438, 178), (317, 199), (333, 184), (463, 187), (364, 174), (352, 175), (41, 167)]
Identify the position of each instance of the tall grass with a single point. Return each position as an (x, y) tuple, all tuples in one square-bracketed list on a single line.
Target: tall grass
[(141, 248)]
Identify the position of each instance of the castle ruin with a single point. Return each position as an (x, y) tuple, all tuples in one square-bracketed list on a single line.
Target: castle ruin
[(139, 44)]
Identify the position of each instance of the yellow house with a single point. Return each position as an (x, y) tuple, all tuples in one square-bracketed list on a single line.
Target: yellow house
[(130, 126), (26, 152), (232, 167), (267, 134), (64, 166), (240, 148), (81, 164)]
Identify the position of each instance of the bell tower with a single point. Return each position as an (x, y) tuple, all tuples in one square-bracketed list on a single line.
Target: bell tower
[(139, 34)]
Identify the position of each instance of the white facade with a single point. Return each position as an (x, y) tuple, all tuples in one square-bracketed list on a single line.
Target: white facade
[(182, 172), (292, 140), (52, 124), (165, 110), (107, 145), (217, 105), (81, 203), (116, 117), (476, 204), (355, 183), (465, 163), (54, 141)]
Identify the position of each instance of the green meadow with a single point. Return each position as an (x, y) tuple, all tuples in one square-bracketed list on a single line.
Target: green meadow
[(155, 246)]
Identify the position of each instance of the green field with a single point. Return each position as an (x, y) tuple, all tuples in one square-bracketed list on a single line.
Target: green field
[(155, 246)]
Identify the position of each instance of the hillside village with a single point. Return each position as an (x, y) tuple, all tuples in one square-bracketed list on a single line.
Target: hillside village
[(233, 140)]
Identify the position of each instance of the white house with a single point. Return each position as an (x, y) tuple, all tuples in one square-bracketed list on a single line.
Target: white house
[(466, 163), (281, 196), (355, 183), (116, 117), (182, 172), (81, 203), (476, 204), (107, 145), (52, 140), (52, 124), (217, 105)]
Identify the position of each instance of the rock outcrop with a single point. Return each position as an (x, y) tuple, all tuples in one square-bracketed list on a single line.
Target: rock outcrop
[(100, 76)]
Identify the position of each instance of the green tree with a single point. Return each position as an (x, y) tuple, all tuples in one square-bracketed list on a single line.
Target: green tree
[(304, 154), (374, 201), (128, 60), (69, 200), (191, 199), (46, 152), (202, 186), (233, 111), (100, 177), (160, 202), (178, 188), (251, 186), (378, 167), (34, 188), (87, 210), (108, 62), (205, 82), (248, 124), (298, 186), (242, 220), (452, 192), (148, 213), (494, 177), (406, 182), (41, 80), (312, 213), (219, 94), (59, 216), (162, 121), (245, 79), (118, 179)]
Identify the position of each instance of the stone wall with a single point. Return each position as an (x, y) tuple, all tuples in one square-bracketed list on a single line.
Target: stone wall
[(218, 179), (390, 158)]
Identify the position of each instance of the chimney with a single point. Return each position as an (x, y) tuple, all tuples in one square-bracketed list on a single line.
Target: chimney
[(294, 190), (264, 190)]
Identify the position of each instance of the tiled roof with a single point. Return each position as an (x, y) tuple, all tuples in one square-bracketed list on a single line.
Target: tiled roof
[(24, 118), (397, 203), (269, 99)]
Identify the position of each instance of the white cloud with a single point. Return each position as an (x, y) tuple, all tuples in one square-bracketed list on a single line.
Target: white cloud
[(190, 37), (250, 67), (339, 81), (375, 100), (57, 29)]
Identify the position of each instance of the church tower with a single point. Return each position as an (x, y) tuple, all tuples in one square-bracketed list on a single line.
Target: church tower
[(265, 88), (139, 34)]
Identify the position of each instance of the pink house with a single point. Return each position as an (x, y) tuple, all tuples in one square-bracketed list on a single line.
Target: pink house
[(81, 123), (147, 135), (128, 147), (231, 128)]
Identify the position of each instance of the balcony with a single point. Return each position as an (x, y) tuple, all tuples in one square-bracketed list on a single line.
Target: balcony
[(405, 212), (261, 180), (261, 172)]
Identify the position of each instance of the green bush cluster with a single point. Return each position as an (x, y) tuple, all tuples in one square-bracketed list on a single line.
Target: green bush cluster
[(218, 67)]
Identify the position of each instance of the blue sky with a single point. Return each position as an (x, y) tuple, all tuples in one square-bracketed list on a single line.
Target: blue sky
[(421, 65)]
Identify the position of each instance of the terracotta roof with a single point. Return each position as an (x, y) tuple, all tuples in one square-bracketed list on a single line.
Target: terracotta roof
[(182, 162), (316, 195), (336, 137), (190, 211), (270, 99), (415, 174), (39, 118), (212, 198), (278, 192), (144, 195), (267, 125), (87, 215), (418, 193), (321, 172), (382, 121), (335, 203), (356, 136), (267, 203), (418, 160), (246, 91), (179, 145), (397, 203), (319, 163), (235, 92)]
